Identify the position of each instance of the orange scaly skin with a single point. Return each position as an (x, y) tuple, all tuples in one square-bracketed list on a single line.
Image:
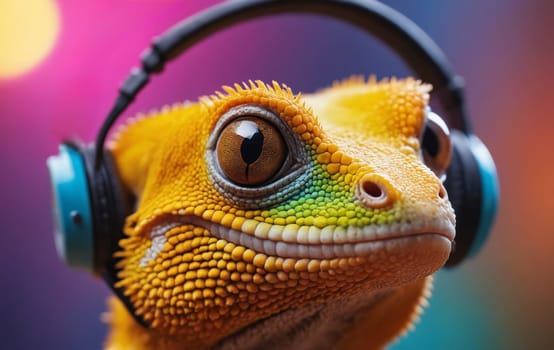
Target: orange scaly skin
[(335, 250)]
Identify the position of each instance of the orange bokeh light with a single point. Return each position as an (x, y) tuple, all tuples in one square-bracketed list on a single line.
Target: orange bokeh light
[(28, 32)]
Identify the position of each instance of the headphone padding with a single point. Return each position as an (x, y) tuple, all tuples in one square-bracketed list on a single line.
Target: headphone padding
[(111, 206), (463, 184)]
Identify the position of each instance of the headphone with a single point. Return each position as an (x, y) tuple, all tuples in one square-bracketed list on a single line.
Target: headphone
[(90, 204)]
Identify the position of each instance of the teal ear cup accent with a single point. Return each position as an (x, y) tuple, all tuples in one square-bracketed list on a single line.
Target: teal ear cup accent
[(490, 192), (72, 215)]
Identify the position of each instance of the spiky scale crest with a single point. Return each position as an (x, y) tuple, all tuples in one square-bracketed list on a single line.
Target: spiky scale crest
[(257, 87), (359, 81)]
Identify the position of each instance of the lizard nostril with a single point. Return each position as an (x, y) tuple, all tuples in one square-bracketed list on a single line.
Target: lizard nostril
[(374, 192), (372, 189)]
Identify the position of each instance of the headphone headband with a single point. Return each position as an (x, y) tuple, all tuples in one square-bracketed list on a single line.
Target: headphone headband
[(91, 203), (401, 34)]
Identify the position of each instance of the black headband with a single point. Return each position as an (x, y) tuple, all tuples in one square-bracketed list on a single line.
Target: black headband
[(402, 35), (410, 42)]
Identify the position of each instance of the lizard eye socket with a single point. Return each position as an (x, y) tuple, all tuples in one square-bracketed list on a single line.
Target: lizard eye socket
[(436, 145), (250, 151), (254, 159)]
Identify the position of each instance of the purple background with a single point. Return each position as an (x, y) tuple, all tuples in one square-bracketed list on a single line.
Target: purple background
[(503, 48)]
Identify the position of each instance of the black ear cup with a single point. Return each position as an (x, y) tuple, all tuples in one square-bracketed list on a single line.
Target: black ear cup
[(110, 206), (463, 183)]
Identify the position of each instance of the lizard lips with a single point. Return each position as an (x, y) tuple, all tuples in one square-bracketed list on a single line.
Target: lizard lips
[(311, 242)]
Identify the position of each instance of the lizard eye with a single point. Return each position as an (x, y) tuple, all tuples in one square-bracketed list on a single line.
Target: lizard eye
[(436, 145), (250, 151), (254, 158)]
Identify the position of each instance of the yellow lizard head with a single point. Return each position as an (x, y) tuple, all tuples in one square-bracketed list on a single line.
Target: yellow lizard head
[(257, 201)]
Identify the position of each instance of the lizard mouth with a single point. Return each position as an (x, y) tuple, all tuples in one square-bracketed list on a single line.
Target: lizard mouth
[(310, 242)]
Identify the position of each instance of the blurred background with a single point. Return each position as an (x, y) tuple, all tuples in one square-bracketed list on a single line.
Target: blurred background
[(61, 62)]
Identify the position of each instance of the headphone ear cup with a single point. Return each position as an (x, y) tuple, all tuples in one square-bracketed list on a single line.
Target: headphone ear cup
[(111, 205), (90, 206), (472, 187), (72, 207)]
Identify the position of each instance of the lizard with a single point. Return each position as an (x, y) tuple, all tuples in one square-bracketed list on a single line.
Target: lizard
[(269, 219)]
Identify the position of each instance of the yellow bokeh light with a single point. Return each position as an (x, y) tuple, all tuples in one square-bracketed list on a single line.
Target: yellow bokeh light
[(28, 31)]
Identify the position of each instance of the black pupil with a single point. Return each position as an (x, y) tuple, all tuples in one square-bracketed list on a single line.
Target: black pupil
[(430, 142), (251, 146)]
